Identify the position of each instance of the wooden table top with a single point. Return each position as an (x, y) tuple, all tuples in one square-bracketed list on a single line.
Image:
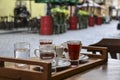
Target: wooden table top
[(109, 71)]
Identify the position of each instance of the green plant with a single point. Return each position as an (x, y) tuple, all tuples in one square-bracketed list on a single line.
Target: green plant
[(60, 16), (83, 19)]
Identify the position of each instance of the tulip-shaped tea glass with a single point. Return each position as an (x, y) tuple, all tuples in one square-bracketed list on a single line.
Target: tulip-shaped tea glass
[(59, 53), (74, 48), (47, 53)]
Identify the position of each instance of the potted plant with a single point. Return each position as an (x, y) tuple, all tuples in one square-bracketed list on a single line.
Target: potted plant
[(60, 16), (83, 19)]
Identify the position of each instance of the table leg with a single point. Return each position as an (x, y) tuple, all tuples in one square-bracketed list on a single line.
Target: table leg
[(113, 55)]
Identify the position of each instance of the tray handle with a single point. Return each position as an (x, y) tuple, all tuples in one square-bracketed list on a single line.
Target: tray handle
[(102, 50), (23, 74)]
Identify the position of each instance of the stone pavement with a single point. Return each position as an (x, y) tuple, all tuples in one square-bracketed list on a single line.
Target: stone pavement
[(87, 36)]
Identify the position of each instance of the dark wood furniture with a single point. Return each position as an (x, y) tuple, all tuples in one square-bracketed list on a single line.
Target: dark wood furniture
[(10, 71), (113, 46)]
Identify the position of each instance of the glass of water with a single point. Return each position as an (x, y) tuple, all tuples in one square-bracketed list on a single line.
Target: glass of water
[(22, 51)]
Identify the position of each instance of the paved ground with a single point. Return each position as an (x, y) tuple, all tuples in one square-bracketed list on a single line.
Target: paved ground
[(87, 36)]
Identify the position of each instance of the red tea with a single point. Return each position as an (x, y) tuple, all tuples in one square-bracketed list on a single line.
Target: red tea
[(47, 55), (74, 50), (43, 43)]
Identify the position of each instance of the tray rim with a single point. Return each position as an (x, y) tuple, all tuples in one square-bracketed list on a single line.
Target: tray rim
[(46, 75)]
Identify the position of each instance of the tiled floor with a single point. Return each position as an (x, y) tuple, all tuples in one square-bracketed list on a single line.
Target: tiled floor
[(87, 36)]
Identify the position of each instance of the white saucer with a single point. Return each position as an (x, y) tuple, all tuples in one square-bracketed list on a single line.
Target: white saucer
[(63, 63), (83, 57)]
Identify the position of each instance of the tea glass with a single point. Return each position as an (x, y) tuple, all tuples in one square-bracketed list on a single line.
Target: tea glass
[(45, 42), (59, 53), (74, 48), (47, 53), (22, 51)]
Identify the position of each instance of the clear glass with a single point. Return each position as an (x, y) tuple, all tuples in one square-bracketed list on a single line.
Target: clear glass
[(47, 53), (74, 48), (59, 53), (22, 51)]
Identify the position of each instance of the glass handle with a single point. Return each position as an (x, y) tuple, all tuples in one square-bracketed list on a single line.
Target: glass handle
[(35, 52)]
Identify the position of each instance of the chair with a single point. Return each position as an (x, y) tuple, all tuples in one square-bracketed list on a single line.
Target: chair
[(34, 25), (113, 46)]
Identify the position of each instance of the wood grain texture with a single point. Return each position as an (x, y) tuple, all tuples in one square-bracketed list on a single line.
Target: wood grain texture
[(20, 74), (109, 71)]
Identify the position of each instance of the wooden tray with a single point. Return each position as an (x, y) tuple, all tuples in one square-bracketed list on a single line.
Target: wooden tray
[(29, 74)]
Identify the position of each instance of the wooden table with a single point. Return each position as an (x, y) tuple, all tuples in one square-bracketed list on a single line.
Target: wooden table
[(109, 71), (113, 46)]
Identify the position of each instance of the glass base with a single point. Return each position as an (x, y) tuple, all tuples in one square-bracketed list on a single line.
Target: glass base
[(74, 63), (53, 70)]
